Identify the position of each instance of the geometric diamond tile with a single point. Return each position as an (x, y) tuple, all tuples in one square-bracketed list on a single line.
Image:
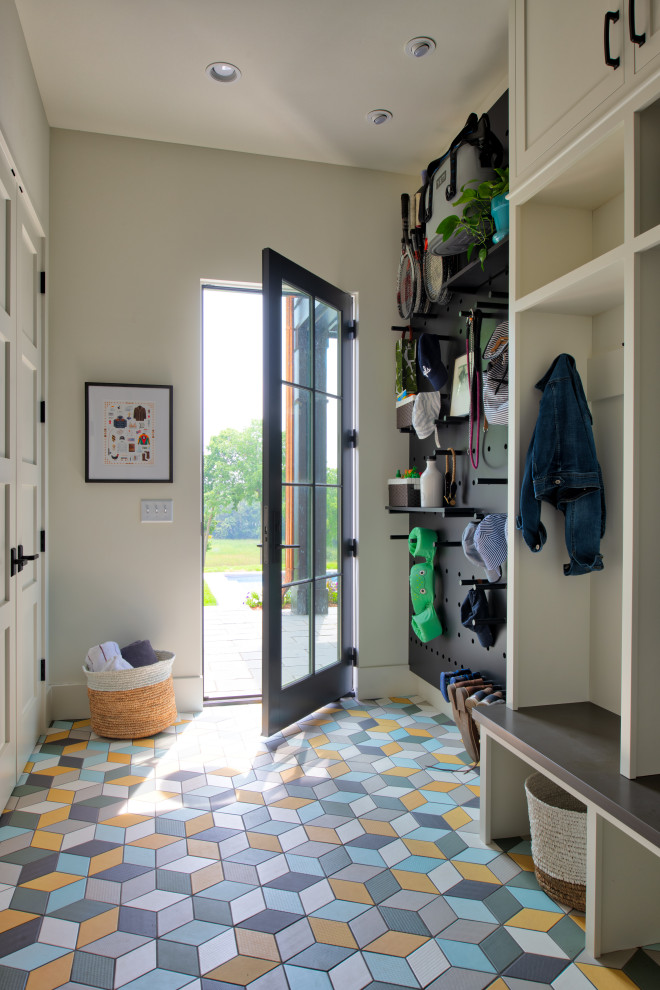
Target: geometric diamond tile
[(342, 854)]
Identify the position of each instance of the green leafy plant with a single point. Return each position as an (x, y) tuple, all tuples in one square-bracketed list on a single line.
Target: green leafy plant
[(254, 599), (476, 219)]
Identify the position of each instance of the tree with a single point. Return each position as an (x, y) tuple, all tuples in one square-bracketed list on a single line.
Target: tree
[(232, 472)]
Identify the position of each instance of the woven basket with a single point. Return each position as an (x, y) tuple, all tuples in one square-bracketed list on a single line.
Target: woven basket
[(404, 492), (132, 704), (558, 823)]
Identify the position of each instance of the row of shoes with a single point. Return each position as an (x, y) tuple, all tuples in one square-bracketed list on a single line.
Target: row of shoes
[(489, 694)]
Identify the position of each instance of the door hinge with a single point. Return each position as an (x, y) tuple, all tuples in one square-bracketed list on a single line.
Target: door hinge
[(43, 541), (42, 411), (42, 283), (352, 548), (353, 656), (43, 669), (352, 438), (351, 329)]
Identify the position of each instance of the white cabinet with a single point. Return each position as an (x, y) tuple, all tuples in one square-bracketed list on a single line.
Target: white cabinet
[(560, 70), (573, 63), (644, 22)]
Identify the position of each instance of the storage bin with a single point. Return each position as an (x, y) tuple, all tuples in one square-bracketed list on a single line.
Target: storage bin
[(558, 823), (132, 704), (404, 412), (404, 492)]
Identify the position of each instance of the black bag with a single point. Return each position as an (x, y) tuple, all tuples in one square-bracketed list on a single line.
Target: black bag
[(473, 156)]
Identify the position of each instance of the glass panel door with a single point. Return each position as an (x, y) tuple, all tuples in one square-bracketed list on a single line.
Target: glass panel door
[(307, 510)]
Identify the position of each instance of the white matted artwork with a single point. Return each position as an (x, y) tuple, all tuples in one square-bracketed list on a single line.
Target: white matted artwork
[(460, 389), (128, 432)]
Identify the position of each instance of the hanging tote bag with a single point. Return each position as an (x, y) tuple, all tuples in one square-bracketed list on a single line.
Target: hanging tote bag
[(473, 156), (496, 377)]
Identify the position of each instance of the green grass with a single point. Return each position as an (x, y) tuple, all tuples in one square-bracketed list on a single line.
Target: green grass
[(233, 555), (209, 597), (237, 555)]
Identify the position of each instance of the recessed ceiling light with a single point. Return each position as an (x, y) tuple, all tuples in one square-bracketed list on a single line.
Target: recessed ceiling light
[(379, 116), (223, 72), (419, 47)]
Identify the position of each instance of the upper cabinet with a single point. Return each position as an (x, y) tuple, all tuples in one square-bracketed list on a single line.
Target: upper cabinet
[(574, 61), (644, 31)]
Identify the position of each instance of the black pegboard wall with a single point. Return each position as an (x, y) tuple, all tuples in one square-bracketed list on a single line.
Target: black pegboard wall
[(471, 287)]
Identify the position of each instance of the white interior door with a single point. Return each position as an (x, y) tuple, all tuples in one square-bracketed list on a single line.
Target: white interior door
[(8, 194), (29, 470)]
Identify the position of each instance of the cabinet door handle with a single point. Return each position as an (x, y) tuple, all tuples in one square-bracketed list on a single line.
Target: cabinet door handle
[(637, 39), (611, 17)]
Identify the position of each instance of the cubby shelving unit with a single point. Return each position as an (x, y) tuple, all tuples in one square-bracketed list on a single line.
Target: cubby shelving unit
[(583, 689)]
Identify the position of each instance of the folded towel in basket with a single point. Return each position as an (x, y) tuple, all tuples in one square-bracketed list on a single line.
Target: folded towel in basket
[(106, 656), (139, 654)]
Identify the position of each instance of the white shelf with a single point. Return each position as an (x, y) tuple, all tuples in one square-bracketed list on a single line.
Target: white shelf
[(586, 291), (648, 240)]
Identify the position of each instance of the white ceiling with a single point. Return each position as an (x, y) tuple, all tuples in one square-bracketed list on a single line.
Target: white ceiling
[(312, 69)]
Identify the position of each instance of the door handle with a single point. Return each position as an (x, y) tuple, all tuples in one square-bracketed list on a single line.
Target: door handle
[(637, 39), (611, 17), (19, 559), (289, 546)]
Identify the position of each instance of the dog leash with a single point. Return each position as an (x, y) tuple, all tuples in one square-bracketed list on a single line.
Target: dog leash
[(473, 350)]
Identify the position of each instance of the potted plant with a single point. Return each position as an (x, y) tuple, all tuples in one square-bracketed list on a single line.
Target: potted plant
[(485, 214)]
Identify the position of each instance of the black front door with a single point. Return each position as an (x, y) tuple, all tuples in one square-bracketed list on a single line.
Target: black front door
[(307, 511)]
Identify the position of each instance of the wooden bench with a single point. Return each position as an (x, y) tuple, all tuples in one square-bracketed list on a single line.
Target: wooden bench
[(577, 746)]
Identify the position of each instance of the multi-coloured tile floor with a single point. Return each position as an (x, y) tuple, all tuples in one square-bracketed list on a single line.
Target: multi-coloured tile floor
[(340, 855)]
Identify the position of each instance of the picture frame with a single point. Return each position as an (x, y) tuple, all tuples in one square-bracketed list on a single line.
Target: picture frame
[(460, 390), (128, 433)]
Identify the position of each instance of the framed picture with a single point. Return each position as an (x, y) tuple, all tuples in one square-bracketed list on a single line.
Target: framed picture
[(460, 390), (128, 432)]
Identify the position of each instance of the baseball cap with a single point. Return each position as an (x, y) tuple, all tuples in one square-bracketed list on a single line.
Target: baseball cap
[(430, 360)]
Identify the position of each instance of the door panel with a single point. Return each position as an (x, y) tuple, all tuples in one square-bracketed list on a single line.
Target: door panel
[(308, 414), (8, 769), (28, 423), (29, 509)]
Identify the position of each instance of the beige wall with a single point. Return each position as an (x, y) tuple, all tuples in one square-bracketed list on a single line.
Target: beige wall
[(22, 118), (135, 226)]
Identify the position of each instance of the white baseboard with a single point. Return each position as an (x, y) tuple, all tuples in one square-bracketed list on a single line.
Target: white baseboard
[(393, 681), (70, 702), (431, 694)]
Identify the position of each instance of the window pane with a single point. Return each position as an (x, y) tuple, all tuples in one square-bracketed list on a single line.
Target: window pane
[(326, 348), (327, 440), (296, 434), (296, 533), (327, 531), (296, 336), (296, 628), (326, 622)]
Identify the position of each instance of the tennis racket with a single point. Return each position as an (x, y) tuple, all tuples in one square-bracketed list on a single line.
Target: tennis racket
[(420, 304), (405, 288)]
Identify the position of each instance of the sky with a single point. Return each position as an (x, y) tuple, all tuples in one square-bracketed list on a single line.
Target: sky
[(233, 349), (232, 322)]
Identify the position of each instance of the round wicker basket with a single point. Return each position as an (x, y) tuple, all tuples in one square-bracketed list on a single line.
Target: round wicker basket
[(558, 823), (132, 704)]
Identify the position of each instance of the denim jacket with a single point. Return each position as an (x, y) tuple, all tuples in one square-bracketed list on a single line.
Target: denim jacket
[(562, 468)]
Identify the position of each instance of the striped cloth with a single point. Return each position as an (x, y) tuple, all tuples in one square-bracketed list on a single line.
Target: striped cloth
[(490, 539), (425, 413), (496, 378)]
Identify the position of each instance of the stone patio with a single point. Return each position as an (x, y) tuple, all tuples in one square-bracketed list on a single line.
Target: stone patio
[(233, 643)]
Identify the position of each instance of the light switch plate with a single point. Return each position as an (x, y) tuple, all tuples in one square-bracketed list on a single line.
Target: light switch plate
[(156, 510)]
